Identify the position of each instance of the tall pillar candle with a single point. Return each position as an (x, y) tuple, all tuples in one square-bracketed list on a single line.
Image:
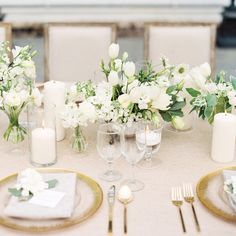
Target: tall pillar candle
[(223, 137), (54, 94)]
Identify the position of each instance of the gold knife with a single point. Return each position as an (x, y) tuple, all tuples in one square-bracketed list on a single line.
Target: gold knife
[(111, 196)]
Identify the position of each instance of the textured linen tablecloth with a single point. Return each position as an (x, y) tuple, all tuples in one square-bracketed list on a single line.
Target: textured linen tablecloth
[(184, 157)]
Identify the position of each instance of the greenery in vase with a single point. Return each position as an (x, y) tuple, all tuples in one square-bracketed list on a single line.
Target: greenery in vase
[(17, 74), (213, 96)]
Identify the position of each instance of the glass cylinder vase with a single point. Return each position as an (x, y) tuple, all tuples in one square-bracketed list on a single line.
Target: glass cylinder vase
[(42, 138), (78, 140)]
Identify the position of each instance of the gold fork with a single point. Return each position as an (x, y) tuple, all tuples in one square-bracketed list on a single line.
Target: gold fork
[(189, 197), (177, 200)]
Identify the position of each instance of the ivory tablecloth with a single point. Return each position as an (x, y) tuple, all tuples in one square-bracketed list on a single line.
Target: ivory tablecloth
[(183, 157)]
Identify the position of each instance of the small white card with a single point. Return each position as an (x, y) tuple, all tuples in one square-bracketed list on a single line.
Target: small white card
[(47, 198)]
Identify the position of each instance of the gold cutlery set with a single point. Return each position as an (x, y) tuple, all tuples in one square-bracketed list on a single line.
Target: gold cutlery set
[(186, 193), (124, 196)]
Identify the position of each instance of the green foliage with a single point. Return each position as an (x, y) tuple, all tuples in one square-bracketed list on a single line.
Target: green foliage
[(193, 92)]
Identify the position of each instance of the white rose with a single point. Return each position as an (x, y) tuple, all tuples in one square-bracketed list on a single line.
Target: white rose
[(162, 101), (129, 69), (205, 69), (178, 122), (113, 78), (124, 100), (114, 50)]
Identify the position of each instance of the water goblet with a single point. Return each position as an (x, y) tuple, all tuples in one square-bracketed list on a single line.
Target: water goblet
[(109, 148)]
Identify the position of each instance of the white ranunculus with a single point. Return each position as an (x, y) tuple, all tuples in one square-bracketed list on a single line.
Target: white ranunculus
[(30, 180), (36, 97), (162, 102), (113, 78), (178, 122), (118, 64), (205, 69), (12, 98), (124, 100), (114, 50), (129, 69)]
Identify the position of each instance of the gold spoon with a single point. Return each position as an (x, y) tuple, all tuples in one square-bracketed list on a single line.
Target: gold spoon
[(125, 196)]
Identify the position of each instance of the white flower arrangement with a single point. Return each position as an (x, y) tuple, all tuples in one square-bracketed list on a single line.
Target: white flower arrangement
[(29, 183), (17, 74)]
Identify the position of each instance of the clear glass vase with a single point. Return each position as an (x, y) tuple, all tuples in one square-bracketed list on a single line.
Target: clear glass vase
[(15, 132), (78, 140)]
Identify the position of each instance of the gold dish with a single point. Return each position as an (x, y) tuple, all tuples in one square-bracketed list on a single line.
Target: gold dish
[(90, 197), (210, 192)]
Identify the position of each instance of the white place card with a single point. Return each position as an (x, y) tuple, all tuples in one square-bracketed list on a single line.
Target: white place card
[(47, 198)]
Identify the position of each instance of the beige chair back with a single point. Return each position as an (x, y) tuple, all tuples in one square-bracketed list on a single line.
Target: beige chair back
[(192, 44), (5, 32), (73, 51)]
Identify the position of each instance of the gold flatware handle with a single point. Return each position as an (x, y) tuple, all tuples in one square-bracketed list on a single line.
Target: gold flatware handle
[(195, 218), (125, 220), (182, 220)]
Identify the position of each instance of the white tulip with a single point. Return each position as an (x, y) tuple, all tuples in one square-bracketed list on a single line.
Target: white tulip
[(118, 64), (125, 56), (124, 100), (129, 69), (114, 50), (205, 69), (135, 94), (113, 78), (198, 78)]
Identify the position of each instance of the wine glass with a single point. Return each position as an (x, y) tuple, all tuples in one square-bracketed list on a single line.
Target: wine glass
[(133, 153), (109, 148), (149, 134)]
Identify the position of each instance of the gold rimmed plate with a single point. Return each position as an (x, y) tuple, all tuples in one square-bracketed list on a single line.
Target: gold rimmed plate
[(89, 198), (210, 192)]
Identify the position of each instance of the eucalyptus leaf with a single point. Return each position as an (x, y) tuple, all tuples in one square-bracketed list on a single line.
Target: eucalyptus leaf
[(52, 183), (166, 116), (208, 112), (233, 82), (211, 100), (193, 92), (15, 192), (177, 106)]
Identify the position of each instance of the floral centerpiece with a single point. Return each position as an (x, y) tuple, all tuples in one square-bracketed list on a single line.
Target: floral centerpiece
[(79, 112), (17, 74), (210, 97)]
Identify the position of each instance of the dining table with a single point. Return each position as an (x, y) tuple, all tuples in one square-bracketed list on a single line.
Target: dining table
[(183, 157)]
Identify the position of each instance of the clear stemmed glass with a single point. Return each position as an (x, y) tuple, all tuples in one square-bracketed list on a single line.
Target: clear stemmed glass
[(149, 134), (133, 153), (109, 148)]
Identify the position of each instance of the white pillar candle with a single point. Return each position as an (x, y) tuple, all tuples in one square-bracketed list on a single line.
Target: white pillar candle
[(43, 146), (54, 94), (223, 137)]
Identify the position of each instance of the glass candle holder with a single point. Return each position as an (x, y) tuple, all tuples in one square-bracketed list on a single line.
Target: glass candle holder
[(42, 138)]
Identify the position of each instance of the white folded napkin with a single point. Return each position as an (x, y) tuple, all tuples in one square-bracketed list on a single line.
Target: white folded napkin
[(64, 209), (232, 198)]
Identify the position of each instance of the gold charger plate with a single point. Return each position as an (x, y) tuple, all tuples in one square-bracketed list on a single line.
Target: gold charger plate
[(90, 198), (210, 192)]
